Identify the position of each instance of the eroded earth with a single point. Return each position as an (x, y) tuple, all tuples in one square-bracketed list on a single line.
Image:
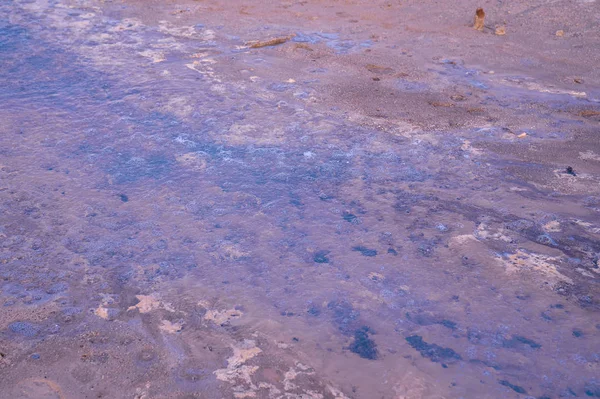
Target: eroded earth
[(384, 203)]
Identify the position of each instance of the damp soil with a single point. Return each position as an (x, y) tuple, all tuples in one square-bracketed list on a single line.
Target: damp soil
[(299, 199)]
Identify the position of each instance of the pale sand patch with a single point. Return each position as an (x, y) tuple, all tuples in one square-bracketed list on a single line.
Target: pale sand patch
[(376, 276), (148, 303), (586, 225), (543, 264), (467, 147), (101, 312), (154, 55), (552, 226), (589, 156), (38, 388), (221, 317), (461, 239), (229, 251), (483, 233), (237, 372), (170, 327), (192, 160)]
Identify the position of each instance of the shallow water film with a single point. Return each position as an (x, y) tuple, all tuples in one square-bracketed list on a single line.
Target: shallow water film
[(299, 199)]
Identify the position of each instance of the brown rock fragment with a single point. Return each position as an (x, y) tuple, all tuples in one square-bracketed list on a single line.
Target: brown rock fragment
[(479, 19)]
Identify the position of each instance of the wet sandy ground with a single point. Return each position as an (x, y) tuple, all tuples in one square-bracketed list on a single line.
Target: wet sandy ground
[(390, 204)]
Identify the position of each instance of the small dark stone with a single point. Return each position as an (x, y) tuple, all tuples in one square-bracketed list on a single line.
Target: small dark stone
[(545, 239), (364, 346), (350, 218), (321, 257), (577, 333), (365, 251), (433, 352), (518, 340), (567, 393), (426, 249), (123, 197), (24, 328), (57, 288), (448, 324), (592, 391), (295, 339), (392, 251), (515, 388), (314, 311), (474, 336), (425, 319), (35, 356), (546, 316), (325, 197), (570, 171)]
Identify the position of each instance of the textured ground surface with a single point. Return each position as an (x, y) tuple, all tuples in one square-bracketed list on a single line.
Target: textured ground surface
[(388, 205)]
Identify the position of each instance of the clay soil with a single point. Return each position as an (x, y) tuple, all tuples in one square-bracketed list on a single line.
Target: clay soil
[(299, 199)]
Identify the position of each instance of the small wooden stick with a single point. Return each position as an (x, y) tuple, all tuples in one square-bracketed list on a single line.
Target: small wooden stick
[(272, 42), (479, 19)]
